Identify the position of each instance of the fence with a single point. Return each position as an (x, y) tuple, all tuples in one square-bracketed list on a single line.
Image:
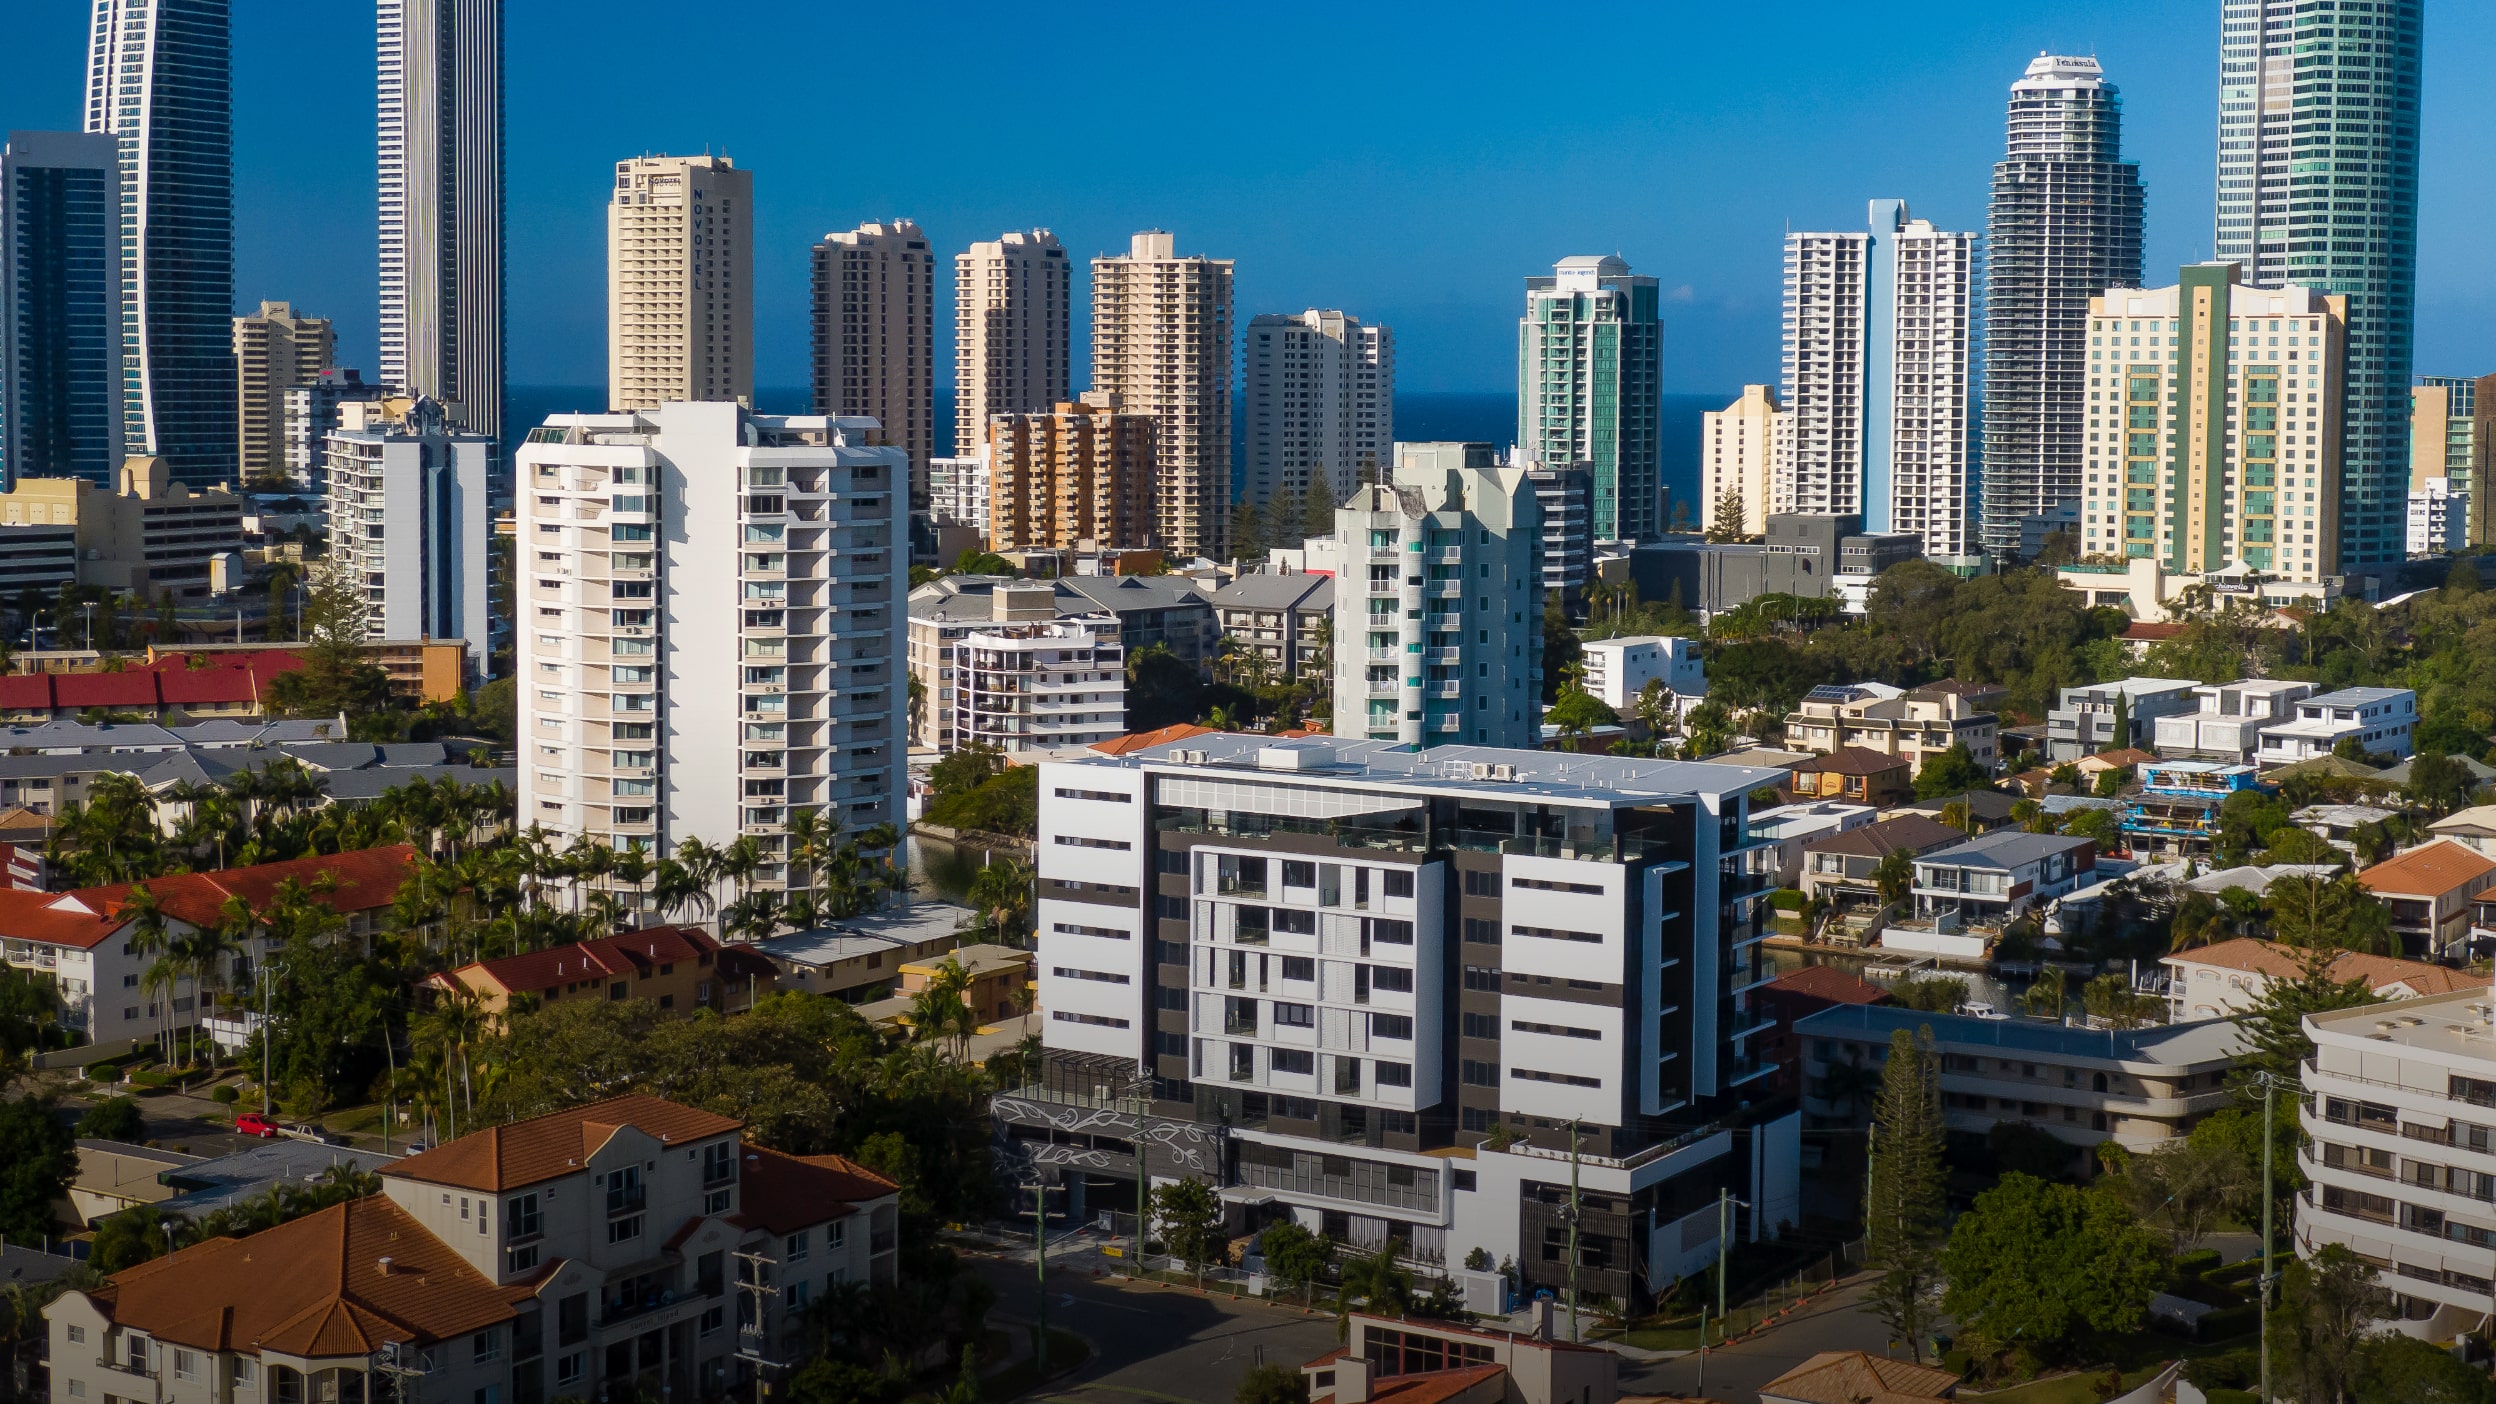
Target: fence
[(1755, 1303)]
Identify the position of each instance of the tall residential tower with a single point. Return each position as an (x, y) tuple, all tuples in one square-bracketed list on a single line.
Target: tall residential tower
[(2318, 188), (1161, 342), (1321, 404), (1010, 301), (2064, 226), (160, 79), (875, 336), (441, 186), (680, 287), (1590, 374), (60, 307), (274, 351)]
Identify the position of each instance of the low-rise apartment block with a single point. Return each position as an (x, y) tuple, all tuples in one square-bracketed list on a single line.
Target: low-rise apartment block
[(2140, 1088), (1287, 620), (2227, 727), (2432, 891), (145, 535), (2083, 723), (2224, 980), (1037, 687), (630, 1246), (1914, 725), (2382, 720), (677, 968), (1376, 990), (1618, 670), (859, 959)]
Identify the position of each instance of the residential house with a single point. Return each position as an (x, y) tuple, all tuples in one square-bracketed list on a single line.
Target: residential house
[(1408, 1360), (1855, 1377), (1839, 869), (1986, 810), (998, 987), (85, 940), (1285, 620), (2397, 776), (2337, 824), (1966, 895), (626, 1247), (1913, 726), (1618, 670), (1797, 994), (2140, 1088), (204, 1186), (2381, 720), (859, 959), (1854, 775), (1791, 827), (2429, 890), (678, 968), (116, 1175), (2122, 758), (2083, 723), (2228, 726), (2176, 810), (2224, 980), (2474, 828)]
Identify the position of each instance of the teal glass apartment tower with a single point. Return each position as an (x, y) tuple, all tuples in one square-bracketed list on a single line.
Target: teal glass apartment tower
[(60, 308), (2318, 187), (2063, 226), (160, 81), (1590, 374)]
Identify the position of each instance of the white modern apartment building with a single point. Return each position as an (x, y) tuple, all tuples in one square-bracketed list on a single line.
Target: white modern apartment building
[(1739, 449), (2439, 516), (2228, 725), (2213, 446), (408, 514), (1439, 606), (957, 490), (2384, 720), (1376, 990), (440, 172), (1161, 342), (1884, 352), (1617, 670), (1010, 301), (311, 413), (1320, 403), (1038, 686), (680, 283), (2399, 1105), (709, 626), (875, 336)]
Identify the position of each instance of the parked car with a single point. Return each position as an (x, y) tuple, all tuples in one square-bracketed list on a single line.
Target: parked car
[(254, 1124), (306, 1131)]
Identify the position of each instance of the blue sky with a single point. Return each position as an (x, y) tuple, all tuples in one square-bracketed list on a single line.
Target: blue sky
[(1407, 164)]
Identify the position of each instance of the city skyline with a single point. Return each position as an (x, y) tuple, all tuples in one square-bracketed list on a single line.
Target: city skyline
[(1703, 211)]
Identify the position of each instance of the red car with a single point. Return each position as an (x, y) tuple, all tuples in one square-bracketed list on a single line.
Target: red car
[(254, 1124)]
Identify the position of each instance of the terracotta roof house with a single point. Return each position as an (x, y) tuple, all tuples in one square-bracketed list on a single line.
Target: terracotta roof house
[(1854, 774), (588, 1252), (1840, 866), (677, 968), (1987, 810), (172, 688), (1794, 995), (2222, 980), (1145, 740), (2430, 890), (2124, 758), (1402, 1361), (82, 938), (1854, 1377)]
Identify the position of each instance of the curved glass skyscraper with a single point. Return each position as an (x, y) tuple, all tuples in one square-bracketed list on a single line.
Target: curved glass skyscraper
[(160, 79), (2064, 226), (2318, 187)]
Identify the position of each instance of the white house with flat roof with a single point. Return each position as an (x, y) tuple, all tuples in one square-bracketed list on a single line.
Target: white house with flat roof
[(1617, 670), (2382, 719), (2228, 726)]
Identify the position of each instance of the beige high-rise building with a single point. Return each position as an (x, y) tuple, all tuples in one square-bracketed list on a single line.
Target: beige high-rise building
[(1010, 313), (1161, 341), (1082, 471), (1738, 454), (680, 291), (875, 336), (273, 349)]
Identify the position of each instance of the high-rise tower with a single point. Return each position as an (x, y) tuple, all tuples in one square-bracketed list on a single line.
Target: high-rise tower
[(1320, 404), (875, 336), (2064, 226), (1161, 342), (2332, 205), (680, 289), (160, 79), (441, 175), (274, 351), (60, 307), (1010, 298), (1590, 368)]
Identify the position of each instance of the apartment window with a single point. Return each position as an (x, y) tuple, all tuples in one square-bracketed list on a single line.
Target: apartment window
[(624, 1230), (570, 1368), (1294, 1060), (714, 1320), (1482, 977), (1389, 932), (1392, 978), (77, 1335), (798, 1293), (1392, 1074), (185, 1365), (835, 1236), (1399, 882), (795, 1248), (1480, 1026), (1481, 883), (1296, 1016), (1474, 1074), (486, 1345), (1481, 931), (1395, 1026), (719, 1162), (1299, 967), (1564, 1079)]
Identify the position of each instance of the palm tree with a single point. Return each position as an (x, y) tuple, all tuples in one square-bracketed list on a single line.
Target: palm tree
[(1002, 894), (1382, 1286), (938, 1009), (454, 1026)]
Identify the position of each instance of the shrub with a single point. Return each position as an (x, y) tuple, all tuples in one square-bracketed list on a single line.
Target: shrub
[(113, 1119), (2231, 1321), (2231, 1396), (2233, 1369), (224, 1095), (1787, 899), (2197, 1262)]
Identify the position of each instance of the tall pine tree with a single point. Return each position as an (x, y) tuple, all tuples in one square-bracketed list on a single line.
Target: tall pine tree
[(1903, 1228)]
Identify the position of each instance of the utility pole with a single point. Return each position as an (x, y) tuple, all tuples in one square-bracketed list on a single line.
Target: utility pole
[(1724, 1232), (1573, 1217), (1040, 1243), (392, 1360), (2270, 1085), (264, 1036)]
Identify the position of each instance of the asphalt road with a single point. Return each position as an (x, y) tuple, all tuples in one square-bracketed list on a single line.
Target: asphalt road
[(1834, 1322), (1158, 1344)]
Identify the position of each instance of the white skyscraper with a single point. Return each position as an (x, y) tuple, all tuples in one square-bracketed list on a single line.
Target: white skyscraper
[(1320, 403), (440, 165), (1010, 299), (680, 286), (1883, 350), (408, 513), (709, 623)]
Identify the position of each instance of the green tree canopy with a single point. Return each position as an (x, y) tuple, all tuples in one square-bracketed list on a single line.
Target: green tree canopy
[(1951, 772), (2049, 1266), (1903, 1199)]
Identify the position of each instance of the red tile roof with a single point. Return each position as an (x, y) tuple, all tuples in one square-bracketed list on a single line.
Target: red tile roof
[(312, 1287), (1826, 983), (2440, 867), (1852, 760), (1146, 740), (785, 1193), (1429, 1387), (549, 1147), (632, 952), (169, 681), (2281, 962), (1853, 1377), (362, 880)]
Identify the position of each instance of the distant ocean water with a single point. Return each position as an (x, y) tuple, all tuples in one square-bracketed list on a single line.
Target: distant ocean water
[(1487, 418)]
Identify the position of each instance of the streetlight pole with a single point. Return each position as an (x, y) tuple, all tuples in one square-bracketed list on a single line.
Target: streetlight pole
[(1573, 1218), (2270, 1086)]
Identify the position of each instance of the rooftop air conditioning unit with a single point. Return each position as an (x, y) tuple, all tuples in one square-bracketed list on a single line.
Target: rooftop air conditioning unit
[(1503, 772), (1188, 757)]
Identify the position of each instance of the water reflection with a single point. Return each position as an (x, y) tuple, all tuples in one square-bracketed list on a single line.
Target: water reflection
[(1982, 987), (941, 871)]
